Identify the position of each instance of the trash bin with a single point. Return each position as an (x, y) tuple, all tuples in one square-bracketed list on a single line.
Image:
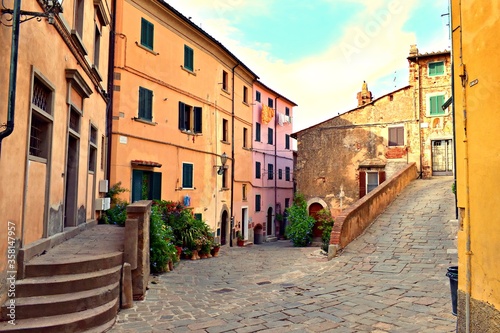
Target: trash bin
[(453, 275), (258, 239)]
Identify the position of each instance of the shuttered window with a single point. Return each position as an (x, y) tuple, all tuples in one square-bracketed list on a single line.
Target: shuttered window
[(396, 136), (436, 68), (146, 185), (287, 141), (270, 136), (145, 104), (257, 170), (362, 184), (257, 132), (188, 58), (287, 173), (190, 118), (147, 33), (270, 171), (187, 175), (435, 103), (257, 202)]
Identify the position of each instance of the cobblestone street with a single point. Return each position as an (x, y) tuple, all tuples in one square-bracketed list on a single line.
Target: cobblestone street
[(391, 279)]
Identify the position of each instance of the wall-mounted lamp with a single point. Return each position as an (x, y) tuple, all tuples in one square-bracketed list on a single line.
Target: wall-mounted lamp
[(223, 160)]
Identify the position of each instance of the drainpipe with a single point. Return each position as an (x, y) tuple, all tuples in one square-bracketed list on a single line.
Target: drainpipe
[(419, 109), (232, 160), (275, 160), (109, 108), (13, 72)]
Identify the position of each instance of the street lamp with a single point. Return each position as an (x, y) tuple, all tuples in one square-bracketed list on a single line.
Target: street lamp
[(223, 160)]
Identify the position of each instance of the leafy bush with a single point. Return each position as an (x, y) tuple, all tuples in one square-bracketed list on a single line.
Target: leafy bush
[(299, 229), (326, 224), (162, 250), (117, 214)]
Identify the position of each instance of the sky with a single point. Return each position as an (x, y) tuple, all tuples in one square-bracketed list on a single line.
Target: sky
[(317, 53)]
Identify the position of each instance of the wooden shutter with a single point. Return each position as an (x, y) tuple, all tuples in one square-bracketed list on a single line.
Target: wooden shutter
[(147, 34), (187, 175), (197, 119), (182, 118), (257, 169), (156, 186), (287, 141), (381, 177), (188, 58), (362, 184), (137, 185), (257, 202), (141, 102), (257, 132)]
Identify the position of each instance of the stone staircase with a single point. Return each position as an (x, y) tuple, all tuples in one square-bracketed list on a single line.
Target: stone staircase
[(72, 287)]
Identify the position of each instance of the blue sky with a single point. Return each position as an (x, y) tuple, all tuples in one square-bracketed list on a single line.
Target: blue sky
[(318, 52)]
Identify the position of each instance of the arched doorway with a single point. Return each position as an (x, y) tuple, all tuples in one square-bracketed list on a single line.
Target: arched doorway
[(313, 211), (257, 234), (223, 227), (269, 221)]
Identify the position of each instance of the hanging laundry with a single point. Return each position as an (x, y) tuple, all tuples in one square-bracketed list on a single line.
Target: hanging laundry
[(267, 114)]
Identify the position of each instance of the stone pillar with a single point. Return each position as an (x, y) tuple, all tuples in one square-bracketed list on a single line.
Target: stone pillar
[(141, 210)]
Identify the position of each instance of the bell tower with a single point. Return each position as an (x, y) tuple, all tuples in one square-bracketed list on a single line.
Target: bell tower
[(364, 96)]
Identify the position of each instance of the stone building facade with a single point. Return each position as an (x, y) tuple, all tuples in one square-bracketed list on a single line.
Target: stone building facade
[(345, 157)]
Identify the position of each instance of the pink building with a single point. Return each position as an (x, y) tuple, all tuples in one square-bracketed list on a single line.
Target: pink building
[(272, 184)]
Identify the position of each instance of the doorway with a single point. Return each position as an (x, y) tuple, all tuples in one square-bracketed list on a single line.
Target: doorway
[(70, 210), (313, 211), (269, 224), (244, 223), (442, 158), (224, 223)]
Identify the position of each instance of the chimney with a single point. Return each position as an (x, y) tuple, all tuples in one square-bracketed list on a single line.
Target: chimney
[(364, 96)]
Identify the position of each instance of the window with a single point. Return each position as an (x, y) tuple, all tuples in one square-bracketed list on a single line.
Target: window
[(270, 171), (287, 141), (145, 104), (224, 80), (396, 136), (79, 15), (41, 120), (245, 94), (146, 185), (224, 178), (187, 175), (257, 132), (188, 58), (436, 68), (245, 135), (270, 136), (270, 102), (225, 135), (190, 118), (257, 96), (198, 216), (147, 33), (257, 170), (244, 192), (287, 174), (257, 202), (280, 173), (93, 149), (97, 41), (371, 181), (287, 202), (287, 111), (103, 152), (435, 103)]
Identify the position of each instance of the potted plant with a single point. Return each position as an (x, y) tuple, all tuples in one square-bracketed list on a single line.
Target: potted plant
[(240, 240), (215, 249)]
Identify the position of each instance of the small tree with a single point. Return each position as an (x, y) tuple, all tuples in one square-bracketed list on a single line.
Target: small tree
[(300, 227), (117, 213), (326, 221)]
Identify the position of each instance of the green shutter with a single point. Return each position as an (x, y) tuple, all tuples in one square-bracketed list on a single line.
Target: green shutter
[(198, 216), (187, 175), (182, 118), (257, 202), (287, 141), (136, 185), (156, 186), (257, 132), (197, 119), (436, 102), (188, 58), (147, 34), (149, 105), (257, 170)]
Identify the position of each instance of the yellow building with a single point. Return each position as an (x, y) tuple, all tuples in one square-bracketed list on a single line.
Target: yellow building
[(52, 160), (181, 101), (477, 122)]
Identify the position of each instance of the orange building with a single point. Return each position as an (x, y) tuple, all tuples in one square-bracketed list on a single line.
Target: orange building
[(181, 101), (52, 159)]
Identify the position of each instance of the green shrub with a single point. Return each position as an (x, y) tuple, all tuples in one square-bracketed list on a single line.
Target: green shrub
[(117, 214), (326, 224), (162, 250), (300, 227)]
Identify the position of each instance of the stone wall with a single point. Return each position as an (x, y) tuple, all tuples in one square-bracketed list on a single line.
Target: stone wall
[(353, 221), (483, 316)]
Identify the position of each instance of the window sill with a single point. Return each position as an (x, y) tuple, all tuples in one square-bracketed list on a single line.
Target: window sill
[(225, 142), (95, 70), (78, 41), (37, 159), (188, 70), (437, 115), (246, 103), (225, 91), (188, 132), (224, 189), (145, 48), (145, 121), (246, 148)]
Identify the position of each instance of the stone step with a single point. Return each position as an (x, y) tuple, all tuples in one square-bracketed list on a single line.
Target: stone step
[(70, 283), (51, 305), (83, 321), (73, 264)]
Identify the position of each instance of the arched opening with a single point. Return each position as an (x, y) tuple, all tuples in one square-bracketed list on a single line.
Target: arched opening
[(224, 224), (270, 221), (258, 234), (313, 211)]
